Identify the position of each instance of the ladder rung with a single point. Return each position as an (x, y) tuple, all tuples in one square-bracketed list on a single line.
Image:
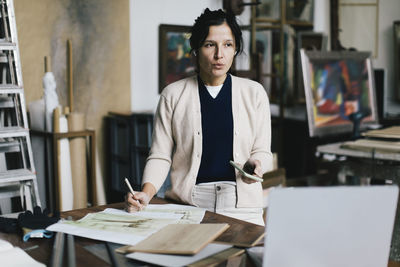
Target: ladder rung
[(7, 46), (10, 191), (9, 146), (13, 132), (11, 215), (16, 176), (10, 89), (6, 102)]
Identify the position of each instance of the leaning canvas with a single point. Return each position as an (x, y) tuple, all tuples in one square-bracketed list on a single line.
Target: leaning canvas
[(338, 85)]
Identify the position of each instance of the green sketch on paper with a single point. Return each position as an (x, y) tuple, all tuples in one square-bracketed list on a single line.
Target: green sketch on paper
[(121, 223), (191, 215)]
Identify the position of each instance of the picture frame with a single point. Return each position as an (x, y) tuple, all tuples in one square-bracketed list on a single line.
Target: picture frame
[(307, 40), (257, 61), (396, 54), (338, 84), (175, 61), (296, 10), (358, 23), (268, 9), (263, 45), (300, 10)]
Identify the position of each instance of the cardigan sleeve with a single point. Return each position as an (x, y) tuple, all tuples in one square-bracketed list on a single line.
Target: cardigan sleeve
[(262, 145), (159, 160)]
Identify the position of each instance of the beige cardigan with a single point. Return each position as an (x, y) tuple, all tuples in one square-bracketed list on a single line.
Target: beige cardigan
[(177, 138)]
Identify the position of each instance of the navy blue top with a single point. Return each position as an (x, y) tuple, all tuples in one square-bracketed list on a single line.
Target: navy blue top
[(217, 128)]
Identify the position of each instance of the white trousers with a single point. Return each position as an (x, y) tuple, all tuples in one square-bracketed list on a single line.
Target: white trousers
[(221, 198)]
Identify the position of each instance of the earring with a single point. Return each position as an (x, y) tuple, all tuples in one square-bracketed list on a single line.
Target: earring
[(194, 53)]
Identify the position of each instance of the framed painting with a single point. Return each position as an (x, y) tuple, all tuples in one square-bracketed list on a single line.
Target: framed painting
[(300, 10), (337, 86), (309, 41), (358, 25), (396, 54), (268, 9), (175, 61), (296, 10)]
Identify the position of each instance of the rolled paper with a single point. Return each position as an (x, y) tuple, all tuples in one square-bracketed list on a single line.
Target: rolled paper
[(76, 122)]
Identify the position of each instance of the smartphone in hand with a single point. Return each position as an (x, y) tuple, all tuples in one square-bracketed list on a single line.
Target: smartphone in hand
[(258, 179)]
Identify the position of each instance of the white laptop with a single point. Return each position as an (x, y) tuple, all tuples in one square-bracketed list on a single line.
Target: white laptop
[(330, 226)]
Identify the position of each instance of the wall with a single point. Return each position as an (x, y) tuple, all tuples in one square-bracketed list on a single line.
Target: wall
[(99, 30), (145, 17), (389, 11)]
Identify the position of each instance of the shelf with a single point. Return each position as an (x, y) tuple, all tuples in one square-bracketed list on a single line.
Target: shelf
[(55, 137)]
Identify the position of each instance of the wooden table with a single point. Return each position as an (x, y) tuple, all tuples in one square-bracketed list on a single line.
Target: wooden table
[(240, 233)]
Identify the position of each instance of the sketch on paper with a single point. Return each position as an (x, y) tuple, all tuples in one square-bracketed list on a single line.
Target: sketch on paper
[(121, 223), (189, 214), (120, 227)]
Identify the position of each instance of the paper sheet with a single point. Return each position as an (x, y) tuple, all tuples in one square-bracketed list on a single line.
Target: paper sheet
[(77, 147), (67, 191), (176, 260), (14, 256), (121, 227), (190, 214), (126, 229)]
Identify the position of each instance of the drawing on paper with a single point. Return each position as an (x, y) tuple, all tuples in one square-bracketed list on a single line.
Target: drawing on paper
[(121, 223)]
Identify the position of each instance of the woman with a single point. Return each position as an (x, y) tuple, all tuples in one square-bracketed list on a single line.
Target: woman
[(203, 122)]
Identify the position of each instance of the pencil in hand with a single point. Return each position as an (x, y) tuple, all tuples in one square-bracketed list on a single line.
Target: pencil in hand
[(130, 188)]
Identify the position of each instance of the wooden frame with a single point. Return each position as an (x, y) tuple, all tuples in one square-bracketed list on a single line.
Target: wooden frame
[(268, 9), (338, 84), (53, 191), (353, 22), (295, 10), (396, 37), (175, 61), (307, 40), (358, 24)]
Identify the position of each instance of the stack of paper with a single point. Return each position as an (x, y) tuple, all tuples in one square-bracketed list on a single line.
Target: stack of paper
[(14, 256)]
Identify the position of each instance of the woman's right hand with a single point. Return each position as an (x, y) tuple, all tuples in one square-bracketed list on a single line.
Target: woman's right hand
[(139, 200), (136, 202)]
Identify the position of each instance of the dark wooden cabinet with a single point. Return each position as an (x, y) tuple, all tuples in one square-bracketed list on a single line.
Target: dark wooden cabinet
[(128, 141)]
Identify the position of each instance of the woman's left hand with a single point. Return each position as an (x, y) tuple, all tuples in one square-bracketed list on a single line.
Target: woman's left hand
[(253, 167)]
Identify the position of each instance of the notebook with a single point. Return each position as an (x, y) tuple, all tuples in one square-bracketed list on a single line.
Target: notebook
[(330, 226)]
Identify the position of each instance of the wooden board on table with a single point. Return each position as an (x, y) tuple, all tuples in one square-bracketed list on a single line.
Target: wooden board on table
[(184, 239), (369, 145), (239, 234), (390, 132)]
